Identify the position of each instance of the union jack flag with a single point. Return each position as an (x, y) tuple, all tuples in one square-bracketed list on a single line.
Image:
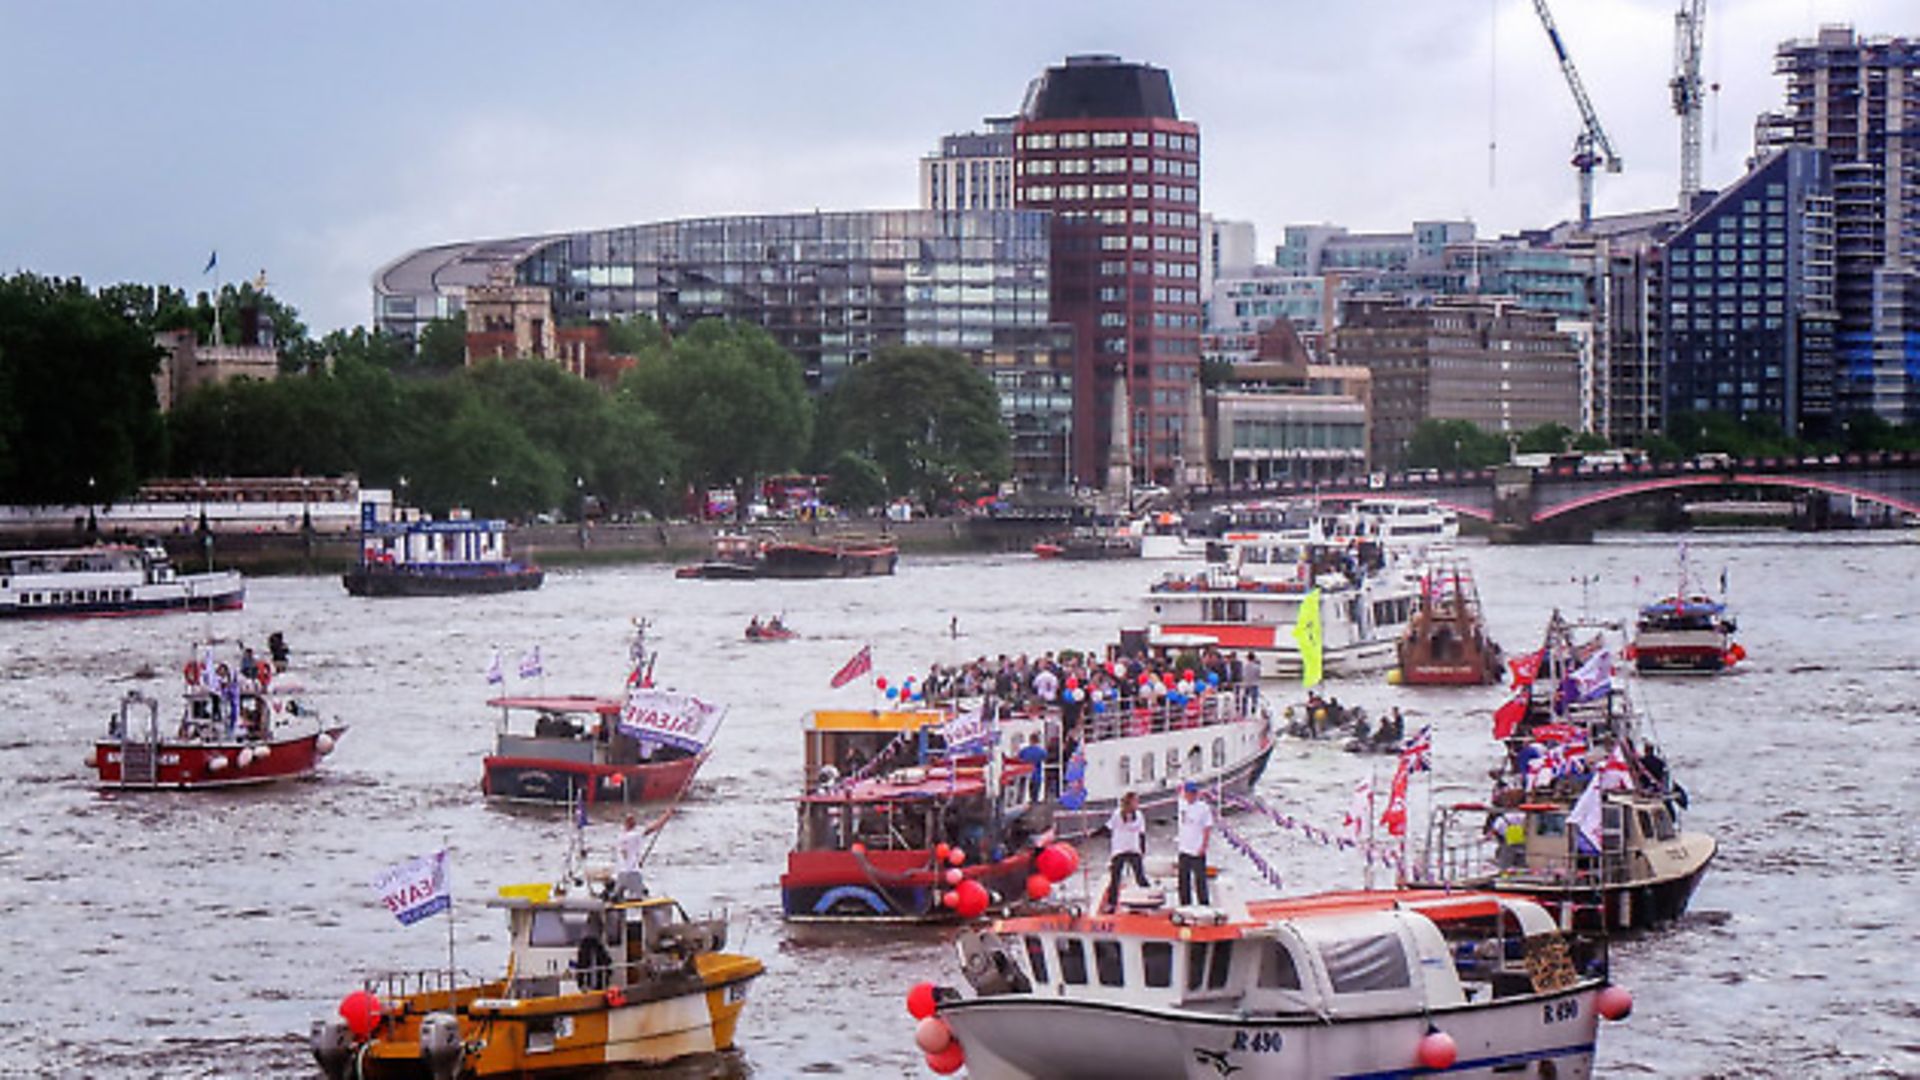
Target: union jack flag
[(1418, 751)]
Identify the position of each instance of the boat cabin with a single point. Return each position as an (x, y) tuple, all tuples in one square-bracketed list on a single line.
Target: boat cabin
[(624, 942), (577, 728), (1533, 842)]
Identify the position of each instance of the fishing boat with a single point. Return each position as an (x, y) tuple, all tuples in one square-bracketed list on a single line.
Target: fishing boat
[(599, 979), (1373, 984), (235, 729), (641, 746), (1584, 817), (1252, 603), (1685, 632), (110, 579), (894, 829), (1446, 642), (420, 557)]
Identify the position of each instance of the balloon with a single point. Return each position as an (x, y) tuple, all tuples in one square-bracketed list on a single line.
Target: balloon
[(920, 1002), (1614, 1003), (1187, 674), (881, 682), (971, 899), (1167, 680), (940, 852), (956, 856), (1052, 863), (1213, 678), (892, 692), (950, 899), (1038, 886), (1073, 682), (1437, 1050), (361, 1011), (955, 875), (932, 1034), (1119, 669), (858, 848), (1099, 707), (947, 1061)]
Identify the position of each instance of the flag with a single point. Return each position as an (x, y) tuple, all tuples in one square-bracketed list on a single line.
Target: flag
[(1614, 774), (662, 716), (1591, 681), (213, 260), (861, 663), (530, 664), (415, 889), (1395, 818), (966, 729), (1306, 634), (1525, 668), (1585, 817), (495, 676), (1510, 713), (1418, 751), (1359, 810)]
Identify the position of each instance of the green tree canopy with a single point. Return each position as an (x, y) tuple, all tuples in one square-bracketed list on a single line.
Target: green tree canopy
[(443, 344), (1454, 444), (927, 417), (855, 483)]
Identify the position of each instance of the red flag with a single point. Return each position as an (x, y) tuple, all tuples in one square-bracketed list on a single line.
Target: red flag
[(1524, 668), (1395, 818), (861, 663), (1508, 716)]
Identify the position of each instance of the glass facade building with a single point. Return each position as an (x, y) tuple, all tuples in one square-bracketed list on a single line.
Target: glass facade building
[(832, 288)]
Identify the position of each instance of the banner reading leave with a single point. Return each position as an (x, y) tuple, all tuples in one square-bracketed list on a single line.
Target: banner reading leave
[(662, 716)]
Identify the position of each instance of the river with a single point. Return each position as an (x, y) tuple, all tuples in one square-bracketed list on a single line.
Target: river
[(198, 935)]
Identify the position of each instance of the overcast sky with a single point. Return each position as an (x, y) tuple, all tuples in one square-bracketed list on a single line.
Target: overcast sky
[(317, 141)]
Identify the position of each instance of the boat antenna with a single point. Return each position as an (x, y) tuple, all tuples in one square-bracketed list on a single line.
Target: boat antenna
[(1586, 583)]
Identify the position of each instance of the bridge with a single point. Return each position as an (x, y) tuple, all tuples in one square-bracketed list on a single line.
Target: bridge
[(1567, 501)]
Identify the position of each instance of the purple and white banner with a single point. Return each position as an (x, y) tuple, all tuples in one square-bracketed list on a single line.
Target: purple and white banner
[(415, 889), (662, 716)]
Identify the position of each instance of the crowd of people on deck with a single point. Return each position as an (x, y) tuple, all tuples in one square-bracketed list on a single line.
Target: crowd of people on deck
[(1077, 683)]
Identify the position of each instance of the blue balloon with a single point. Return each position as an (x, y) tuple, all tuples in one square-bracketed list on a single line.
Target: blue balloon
[(892, 692), (1213, 678), (1099, 706)]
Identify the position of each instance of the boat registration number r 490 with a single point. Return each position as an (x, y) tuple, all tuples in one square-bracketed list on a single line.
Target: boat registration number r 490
[(1257, 1042), (1552, 1012)]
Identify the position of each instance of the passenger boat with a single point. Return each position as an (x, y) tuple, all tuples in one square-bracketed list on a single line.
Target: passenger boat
[(1164, 535), (1252, 604), (110, 579), (597, 981), (1685, 632), (1358, 984), (1584, 817), (235, 730), (418, 557), (643, 746), (1446, 642), (834, 557), (904, 826)]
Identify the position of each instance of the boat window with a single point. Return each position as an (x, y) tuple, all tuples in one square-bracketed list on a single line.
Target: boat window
[(1073, 961), (1146, 766), (1193, 759), (1277, 970), (1106, 963), (1126, 770), (1173, 762), (1222, 965), (1156, 961), (1196, 964), (1550, 824), (1365, 964), (1037, 958), (1663, 826), (550, 929), (1219, 753), (1646, 824)]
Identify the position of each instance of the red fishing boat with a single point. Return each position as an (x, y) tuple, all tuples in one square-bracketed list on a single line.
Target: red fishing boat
[(234, 731)]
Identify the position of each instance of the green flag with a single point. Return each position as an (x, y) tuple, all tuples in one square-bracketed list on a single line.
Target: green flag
[(1306, 632)]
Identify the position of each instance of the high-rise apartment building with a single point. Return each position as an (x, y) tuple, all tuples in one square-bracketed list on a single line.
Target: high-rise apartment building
[(1100, 144), (972, 170), (1858, 98)]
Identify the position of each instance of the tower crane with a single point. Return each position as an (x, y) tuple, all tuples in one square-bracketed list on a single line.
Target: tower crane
[(1686, 86), (1591, 147)]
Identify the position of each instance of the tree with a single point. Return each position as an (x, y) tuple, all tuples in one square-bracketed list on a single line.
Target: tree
[(79, 419), (639, 335), (855, 482), (733, 400), (1454, 444), (928, 418), (1544, 439), (443, 344)]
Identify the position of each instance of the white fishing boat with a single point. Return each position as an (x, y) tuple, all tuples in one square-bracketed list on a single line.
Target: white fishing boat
[(1375, 984)]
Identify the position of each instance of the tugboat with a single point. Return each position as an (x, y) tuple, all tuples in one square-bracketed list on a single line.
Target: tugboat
[(1446, 642), (561, 749), (597, 981), (1378, 984), (908, 833), (110, 579), (1685, 632), (417, 557), (238, 728), (1584, 816)]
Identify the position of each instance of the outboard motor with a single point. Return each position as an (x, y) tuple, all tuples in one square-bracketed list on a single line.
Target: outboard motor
[(332, 1046), (441, 1048)]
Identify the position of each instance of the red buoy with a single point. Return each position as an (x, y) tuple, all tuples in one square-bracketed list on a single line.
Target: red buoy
[(1614, 1003), (1038, 887), (361, 1011), (1437, 1050), (948, 1061), (920, 1003), (970, 899), (932, 1035)]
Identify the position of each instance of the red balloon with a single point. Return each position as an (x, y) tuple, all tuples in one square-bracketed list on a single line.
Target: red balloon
[(920, 1002), (950, 899), (1038, 886), (948, 1061), (1167, 680), (955, 875), (1073, 682), (1052, 863), (940, 852), (1187, 674), (1437, 1050), (971, 899), (880, 682), (361, 1011), (956, 856)]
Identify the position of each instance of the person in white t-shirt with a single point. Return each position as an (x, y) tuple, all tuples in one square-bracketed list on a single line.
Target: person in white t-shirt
[(631, 850), (1127, 833), (1196, 828)]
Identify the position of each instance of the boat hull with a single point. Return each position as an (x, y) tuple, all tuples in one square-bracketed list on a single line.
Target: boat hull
[(124, 764), (1655, 659), (467, 581), (886, 886), (560, 782), (216, 592), (827, 561), (1028, 1037)]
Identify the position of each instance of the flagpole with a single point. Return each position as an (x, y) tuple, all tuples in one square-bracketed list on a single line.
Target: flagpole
[(452, 1002)]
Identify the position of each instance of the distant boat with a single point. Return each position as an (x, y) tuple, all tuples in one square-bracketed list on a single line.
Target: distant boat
[(110, 579), (741, 557), (417, 557), (1446, 642)]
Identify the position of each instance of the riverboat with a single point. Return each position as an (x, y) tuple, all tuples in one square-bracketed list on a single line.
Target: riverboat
[(110, 579), (1375, 984), (830, 557), (1252, 604), (1584, 816), (418, 557), (1446, 642), (733, 557), (1685, 632), (234, 730), (565, 749), (903, 829), (597, 981)]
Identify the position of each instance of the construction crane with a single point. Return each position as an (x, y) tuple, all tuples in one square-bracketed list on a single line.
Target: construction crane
[(1687, 96), (1591, 147)]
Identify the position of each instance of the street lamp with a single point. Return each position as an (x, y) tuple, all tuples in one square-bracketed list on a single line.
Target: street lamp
[(93, 522)]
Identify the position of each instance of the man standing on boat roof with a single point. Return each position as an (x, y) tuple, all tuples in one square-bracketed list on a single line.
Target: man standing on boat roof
[(1195, 829), (1127, 836), (631, 850)]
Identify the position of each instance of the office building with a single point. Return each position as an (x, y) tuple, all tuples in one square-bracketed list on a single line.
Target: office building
[(972, 170)]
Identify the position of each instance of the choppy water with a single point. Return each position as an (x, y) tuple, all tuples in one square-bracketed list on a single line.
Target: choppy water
[(198, 935)]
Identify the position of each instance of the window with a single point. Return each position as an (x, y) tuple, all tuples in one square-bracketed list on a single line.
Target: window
[(1277, 970), (1073, 961), (1196, 964), (1219, 753), (1222, 966), (1106, 963), (1037, 958), (1156, 962), (1366, 964)]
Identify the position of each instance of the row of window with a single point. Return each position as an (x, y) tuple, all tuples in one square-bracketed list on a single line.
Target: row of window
[(1108, 166), (1357, 966), (1178, 245), (1041, 193), (1079, 140), (70, 597)]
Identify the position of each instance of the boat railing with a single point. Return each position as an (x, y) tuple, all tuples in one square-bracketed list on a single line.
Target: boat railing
[(1221, 707), (392, 985)]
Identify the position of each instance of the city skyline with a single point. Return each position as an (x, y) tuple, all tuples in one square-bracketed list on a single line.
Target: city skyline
[(317, 144)]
